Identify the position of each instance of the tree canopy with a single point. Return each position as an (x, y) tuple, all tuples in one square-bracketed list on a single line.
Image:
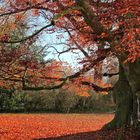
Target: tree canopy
[(98, 29)]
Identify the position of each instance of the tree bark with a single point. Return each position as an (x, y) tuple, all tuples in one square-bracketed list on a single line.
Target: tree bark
[(126, 92), (127, 89)]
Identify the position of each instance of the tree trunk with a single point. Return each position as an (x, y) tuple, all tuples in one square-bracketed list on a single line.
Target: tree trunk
[(126, 95)]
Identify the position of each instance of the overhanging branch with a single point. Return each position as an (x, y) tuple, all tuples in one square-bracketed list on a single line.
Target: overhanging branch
[(23, 10), (27, 38), (90, 17), (96, 87), (25, 87), (110, 74)]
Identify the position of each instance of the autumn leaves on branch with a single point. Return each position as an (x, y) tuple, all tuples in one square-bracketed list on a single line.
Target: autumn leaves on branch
[(88, 24)]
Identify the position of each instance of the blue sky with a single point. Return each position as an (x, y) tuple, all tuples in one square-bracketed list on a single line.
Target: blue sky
[(51, 39)]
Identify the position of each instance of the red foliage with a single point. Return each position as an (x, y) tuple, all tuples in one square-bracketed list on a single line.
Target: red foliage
[(90, 27)]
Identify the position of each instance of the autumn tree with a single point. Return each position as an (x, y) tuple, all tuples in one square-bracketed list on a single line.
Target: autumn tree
[(99, 29)]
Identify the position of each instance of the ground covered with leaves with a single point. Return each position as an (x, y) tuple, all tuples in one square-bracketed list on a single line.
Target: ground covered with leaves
[(59, 127)]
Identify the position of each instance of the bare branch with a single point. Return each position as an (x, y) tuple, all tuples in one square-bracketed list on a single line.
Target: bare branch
[(78, 46)]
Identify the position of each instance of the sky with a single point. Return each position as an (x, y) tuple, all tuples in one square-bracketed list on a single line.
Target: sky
[(53, 38)]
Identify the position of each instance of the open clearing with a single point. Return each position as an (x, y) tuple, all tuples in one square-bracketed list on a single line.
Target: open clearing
[(34, 126)]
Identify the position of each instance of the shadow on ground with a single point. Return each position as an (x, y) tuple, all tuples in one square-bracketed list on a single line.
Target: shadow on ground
[(98, 135), (78, 136)]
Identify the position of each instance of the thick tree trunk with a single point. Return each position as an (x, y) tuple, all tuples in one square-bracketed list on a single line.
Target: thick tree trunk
[(127, 89), (126, 93)]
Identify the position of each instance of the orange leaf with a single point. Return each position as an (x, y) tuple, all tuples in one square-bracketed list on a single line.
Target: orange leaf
[(12, 25)]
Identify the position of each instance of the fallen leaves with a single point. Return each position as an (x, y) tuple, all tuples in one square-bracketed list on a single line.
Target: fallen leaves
[(29, 126), (61, 127)]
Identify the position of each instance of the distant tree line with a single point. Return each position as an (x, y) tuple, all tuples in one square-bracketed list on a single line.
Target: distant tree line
[(60, 101)]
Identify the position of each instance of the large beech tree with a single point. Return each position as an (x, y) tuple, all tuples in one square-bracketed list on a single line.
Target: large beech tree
[(99, 29)]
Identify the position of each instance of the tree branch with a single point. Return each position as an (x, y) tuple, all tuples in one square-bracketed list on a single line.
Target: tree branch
[(38, 6), (25, 87), (90, 17), (96, 87), (26, 38), (110, 74)]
